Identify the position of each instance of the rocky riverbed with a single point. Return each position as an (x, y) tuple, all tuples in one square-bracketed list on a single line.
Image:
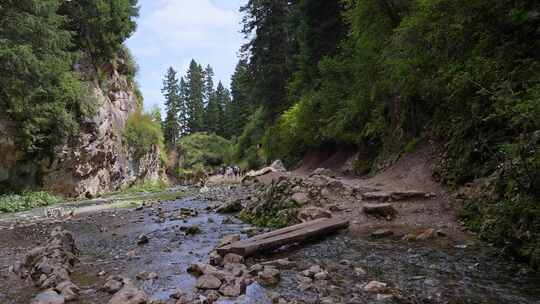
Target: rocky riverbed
[(150, 247)]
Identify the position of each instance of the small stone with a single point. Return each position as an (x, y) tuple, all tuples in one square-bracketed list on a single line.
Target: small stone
[(231, 290), (426, 235), (208, 281), (113, 285), (230, 207), (68, 290), (312, 271), (102, 273), (48, 297), (313, 213), (142, 239), (279, 263), (269, 276), (129, 294), (375, 286), (345, 263), (212, 296), (145, 276), (255, 269), (300, 198), (228, 239), (323, 275), (384, 297), (382, 233), (359, 271), (233, 258), (216, 259)]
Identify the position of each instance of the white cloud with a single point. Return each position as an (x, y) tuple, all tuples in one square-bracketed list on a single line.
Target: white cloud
[(172, 32), (183, 24)]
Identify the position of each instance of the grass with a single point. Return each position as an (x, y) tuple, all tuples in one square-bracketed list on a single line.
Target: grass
[(26, 201), (147, 187)]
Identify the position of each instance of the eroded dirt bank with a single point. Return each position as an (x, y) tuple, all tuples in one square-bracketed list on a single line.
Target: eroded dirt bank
[(427, 257)]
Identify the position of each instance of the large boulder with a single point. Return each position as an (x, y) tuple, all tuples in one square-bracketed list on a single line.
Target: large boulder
[(230, 207), (129, 294), (48, 297), (208, 281), (278, 166)]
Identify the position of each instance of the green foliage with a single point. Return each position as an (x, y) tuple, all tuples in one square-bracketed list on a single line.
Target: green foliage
[(248, 147), (195, 97), (37, 88), (202, 152), (26, 201), (143, 133), (147, 187), (379, 74), (101, 26), (273, 219), (173, 107)]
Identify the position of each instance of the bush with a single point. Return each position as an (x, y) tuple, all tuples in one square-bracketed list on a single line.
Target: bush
[(248, 147), (201, 152), (142, 133), (26, 201), (148, 187)]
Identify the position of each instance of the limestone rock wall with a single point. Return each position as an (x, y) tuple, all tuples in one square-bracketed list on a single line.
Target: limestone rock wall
[(97, 161)]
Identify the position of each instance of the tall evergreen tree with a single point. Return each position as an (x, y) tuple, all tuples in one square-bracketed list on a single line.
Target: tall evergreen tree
[(237, 112), (269, 51), (183, 113), (214, 114), (37, 89), (101, 26), (171, 92), (223, 100), (208, 84), (195, 101)]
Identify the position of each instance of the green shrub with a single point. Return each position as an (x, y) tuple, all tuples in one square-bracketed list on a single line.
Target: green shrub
[(143, 133), (148, 187), (26, 201), (201, 151), (248, 147)]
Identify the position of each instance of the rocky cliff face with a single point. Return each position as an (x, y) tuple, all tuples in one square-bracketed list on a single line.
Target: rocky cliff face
[(97, 161)]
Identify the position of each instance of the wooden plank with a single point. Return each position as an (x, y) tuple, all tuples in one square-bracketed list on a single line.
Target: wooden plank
[(281, 237)]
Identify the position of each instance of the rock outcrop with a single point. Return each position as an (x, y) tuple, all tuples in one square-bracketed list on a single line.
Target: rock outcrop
[(97, 161), (50, 267)]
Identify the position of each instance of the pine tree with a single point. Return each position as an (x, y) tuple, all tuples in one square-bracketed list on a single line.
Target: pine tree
[(208, 85), (238, 111), (223, 100), (171, 92), (183, 113), (213, 115), (270, 52), (209, 94), (195, 100)]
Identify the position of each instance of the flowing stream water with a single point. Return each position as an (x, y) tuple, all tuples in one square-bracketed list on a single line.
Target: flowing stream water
[(419, 273)]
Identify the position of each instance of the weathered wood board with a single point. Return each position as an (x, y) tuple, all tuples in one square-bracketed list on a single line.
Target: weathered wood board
[(293, 234)]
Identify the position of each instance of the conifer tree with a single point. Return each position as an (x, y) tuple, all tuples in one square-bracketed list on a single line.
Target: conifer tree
[(208, 85), (183, 113), (239, 109), (223, 100), (171, 92), (195, 100)]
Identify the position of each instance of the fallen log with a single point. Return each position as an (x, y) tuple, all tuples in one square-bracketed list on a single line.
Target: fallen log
[(275, 239)]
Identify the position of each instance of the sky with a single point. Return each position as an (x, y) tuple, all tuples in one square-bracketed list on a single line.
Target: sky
[(172, 32)]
